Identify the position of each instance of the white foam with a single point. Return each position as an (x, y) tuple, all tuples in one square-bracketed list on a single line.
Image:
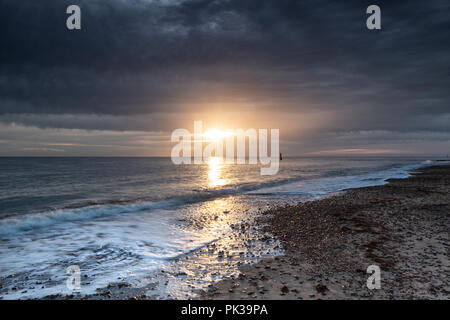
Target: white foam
[(324, 186), (49, 218), (106, 250)]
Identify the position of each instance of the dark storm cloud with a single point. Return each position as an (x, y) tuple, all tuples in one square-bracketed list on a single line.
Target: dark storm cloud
[(146, 57)]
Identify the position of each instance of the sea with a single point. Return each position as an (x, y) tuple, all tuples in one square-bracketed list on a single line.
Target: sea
[(173, 230)]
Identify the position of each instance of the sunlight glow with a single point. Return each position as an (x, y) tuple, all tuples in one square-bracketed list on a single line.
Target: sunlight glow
[(214, 172), (217, 134)]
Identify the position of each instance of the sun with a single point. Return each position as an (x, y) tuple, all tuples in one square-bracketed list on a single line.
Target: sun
[(217, 134)]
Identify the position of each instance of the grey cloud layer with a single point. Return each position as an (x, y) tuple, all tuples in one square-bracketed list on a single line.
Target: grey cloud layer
[(151, 57)]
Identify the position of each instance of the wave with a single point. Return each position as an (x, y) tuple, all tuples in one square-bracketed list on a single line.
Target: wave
[(291, 186), (74, 213), (328, 185), (46, 218)]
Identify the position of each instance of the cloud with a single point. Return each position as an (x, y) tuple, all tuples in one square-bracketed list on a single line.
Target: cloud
[(18, 140), (141, 65)]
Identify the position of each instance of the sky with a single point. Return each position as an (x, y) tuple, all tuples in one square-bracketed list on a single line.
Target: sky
[(139, 69)]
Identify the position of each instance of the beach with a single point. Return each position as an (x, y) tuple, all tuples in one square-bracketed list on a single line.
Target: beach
[(402, 227)]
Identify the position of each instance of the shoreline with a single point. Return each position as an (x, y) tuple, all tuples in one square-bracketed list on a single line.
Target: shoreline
[(402, 227), (326, 247)]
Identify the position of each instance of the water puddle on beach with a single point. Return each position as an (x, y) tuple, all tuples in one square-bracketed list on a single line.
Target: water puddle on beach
[(239, 241)]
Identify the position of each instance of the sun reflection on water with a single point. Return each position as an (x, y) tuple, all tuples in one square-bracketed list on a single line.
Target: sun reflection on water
[(215, 172)]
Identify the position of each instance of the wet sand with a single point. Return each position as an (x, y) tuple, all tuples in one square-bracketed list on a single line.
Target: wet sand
[(402, 227)]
